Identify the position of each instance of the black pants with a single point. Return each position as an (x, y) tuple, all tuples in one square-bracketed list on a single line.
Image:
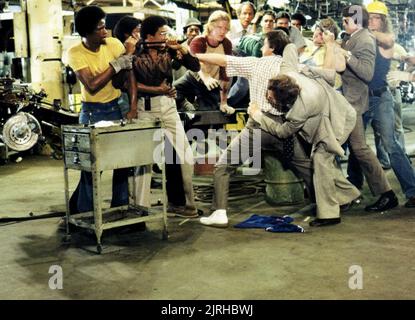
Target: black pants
[(188, 87), (174, 181)]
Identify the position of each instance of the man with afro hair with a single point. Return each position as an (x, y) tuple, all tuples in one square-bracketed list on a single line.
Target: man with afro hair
[(95, 60)]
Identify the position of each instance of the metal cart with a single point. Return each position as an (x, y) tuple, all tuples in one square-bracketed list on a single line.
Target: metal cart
[(96, 149)]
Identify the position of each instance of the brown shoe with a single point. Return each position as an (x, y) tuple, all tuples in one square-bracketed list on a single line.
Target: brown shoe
[(188, 213), (173, 209), (183, 212), (410, 203)]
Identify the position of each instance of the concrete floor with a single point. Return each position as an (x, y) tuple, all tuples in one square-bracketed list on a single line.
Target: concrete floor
[(199, 262)]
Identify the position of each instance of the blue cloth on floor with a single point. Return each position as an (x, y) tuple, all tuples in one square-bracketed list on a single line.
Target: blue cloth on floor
[(271, 224)]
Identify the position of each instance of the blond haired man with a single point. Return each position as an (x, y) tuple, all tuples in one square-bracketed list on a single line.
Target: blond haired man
[(210, 85)]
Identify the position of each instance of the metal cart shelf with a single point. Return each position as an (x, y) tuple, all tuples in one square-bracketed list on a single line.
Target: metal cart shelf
[(94, 149)]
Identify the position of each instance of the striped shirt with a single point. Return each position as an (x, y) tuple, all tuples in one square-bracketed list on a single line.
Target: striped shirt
[(258, 71)]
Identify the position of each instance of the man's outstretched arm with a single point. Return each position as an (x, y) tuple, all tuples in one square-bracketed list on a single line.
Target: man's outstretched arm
[(212, 58)]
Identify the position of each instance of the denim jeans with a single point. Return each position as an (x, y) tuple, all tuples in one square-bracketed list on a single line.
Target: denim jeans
[(124, 104), (381, 114), (238, 92), (399, 131), (91, 113)]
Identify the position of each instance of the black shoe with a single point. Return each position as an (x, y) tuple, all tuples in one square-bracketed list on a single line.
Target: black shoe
[(387, 201), (324, 222), (352, 204), (410, 203)]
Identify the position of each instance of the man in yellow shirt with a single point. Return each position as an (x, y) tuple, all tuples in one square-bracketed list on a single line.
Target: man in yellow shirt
[(95, 61)]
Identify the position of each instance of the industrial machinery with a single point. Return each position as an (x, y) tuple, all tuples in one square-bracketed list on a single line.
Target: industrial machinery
[(20, 130), (26, 119)]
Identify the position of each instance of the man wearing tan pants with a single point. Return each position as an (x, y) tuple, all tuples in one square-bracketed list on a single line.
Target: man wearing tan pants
[(324, 125), (164, 108), (153, 71), (321, 126)]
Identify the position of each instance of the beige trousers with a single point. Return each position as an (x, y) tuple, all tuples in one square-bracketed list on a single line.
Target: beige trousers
[(164, 108), (331, 187)]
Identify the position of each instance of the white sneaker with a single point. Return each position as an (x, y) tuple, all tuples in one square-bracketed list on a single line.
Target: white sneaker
[(217, 219)]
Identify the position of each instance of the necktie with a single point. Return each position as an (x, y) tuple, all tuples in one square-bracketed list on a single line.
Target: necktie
[(287, 146)]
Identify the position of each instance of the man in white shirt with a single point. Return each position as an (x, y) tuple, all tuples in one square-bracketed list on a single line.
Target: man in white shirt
[(242, 26)]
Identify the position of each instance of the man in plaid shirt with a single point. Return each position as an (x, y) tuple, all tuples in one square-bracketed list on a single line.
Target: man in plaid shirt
[(258, 71)]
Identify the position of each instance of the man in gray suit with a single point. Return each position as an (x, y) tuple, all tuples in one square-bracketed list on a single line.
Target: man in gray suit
[(324, 125), (359, 49), (280, 116)]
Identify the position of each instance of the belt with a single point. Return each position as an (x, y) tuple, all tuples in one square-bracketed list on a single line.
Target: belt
[(149, 96), (147, 101), (378, 92)]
